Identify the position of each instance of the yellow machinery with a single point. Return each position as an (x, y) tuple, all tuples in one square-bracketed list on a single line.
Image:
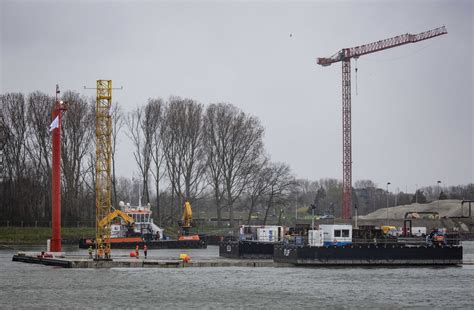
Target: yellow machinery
[(187, 216), (113, 215), (185, 223), (388, 229), (103, 146)]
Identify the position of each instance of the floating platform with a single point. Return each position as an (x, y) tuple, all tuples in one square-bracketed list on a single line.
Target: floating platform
[(153, 244), (139, 263), (247, 249), (369, 254)]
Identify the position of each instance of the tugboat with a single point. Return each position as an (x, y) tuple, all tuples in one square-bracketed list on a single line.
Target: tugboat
[(134, 226), (335, 245), (255, 242)]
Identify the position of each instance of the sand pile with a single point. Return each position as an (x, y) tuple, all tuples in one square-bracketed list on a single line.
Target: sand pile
[(445, 208)]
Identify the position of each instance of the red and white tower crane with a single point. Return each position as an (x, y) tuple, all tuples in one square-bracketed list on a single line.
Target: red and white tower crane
[(345, 56)]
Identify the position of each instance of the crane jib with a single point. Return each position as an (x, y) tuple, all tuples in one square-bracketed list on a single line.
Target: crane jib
[(373, 47)]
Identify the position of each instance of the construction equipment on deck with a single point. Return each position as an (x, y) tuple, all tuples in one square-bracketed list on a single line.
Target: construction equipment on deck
[(103, 153), (345, 56), (113, 215), (185, 223)]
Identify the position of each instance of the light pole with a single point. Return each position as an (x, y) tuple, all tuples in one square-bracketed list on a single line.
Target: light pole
[(388, 183), (439, 193)]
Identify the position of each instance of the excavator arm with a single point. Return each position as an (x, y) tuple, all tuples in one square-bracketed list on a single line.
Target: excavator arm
[(187, 215), (113, 215)]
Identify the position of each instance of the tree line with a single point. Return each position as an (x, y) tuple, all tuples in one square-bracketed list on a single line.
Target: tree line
[(212, 155)]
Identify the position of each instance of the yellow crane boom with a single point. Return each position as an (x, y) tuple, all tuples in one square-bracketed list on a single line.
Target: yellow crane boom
[(187, 215), (113, 215)]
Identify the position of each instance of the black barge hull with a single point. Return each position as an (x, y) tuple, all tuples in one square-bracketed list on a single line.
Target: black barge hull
[(368, 254), (247, 249), (154, 244)]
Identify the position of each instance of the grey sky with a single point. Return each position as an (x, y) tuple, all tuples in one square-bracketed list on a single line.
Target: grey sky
[(412, 120)]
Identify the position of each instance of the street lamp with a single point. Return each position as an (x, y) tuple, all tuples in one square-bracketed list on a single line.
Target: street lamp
[(439, 193), (388, 183)]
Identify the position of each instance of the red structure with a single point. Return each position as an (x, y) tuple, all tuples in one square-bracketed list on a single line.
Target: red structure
[(56, 174), (345, 56)]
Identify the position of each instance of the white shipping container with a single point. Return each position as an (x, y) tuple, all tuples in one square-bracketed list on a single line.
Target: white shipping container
[(269, 233), (315, 237)]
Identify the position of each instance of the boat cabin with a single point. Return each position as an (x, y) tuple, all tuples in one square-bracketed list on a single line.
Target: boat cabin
[(336, 234)]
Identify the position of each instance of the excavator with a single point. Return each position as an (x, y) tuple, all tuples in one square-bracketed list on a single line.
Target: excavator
[(185, 223), (113, 215), (116, 231)]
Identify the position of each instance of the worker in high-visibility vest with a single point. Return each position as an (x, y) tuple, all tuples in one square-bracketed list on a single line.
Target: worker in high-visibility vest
[(107, 252), (90, 250), (137, 251)]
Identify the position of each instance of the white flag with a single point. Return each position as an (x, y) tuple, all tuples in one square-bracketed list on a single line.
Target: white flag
[(54, 124)]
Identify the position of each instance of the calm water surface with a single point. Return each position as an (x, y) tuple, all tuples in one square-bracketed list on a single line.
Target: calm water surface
[(37, 286)]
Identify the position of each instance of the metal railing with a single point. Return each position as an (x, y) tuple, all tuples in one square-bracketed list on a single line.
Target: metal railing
[(450, 239)]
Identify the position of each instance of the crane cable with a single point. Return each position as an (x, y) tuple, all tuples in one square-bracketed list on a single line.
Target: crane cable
[(356, 73)]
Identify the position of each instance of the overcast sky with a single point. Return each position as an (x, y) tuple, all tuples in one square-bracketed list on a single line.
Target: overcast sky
[(412, 120)]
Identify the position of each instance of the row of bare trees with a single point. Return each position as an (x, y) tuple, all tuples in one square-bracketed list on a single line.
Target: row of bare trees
[(211, 155), (26, 171), (214, 154)]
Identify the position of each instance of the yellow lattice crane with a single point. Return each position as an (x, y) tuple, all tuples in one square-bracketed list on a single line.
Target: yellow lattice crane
[(103, 147)]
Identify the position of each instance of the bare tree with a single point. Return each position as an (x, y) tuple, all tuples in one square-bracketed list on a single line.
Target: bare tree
[(215, 141), (141, 126), (235, 139), (257, 186), (279, 184), (360, 184), (182, 143), (117, 124), (76, 134), (156, 107), (14, 121), (40, 106)]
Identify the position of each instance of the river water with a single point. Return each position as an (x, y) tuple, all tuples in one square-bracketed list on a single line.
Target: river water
[(36, 286)]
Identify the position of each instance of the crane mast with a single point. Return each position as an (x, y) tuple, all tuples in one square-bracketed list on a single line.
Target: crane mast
[(103, 183), (345, 56)]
